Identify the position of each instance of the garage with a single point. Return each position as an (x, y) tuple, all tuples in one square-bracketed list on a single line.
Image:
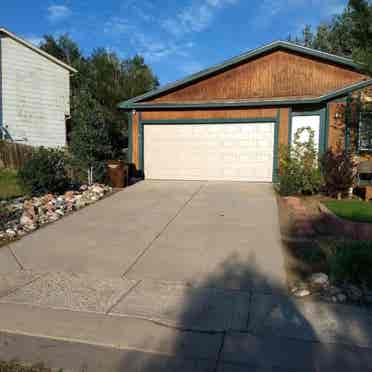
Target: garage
[(216, 152), (230, 121)]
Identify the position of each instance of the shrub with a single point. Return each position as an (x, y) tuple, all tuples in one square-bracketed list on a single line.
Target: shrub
[(299, 170), (10, 186), (338, 169), (45, 172), (351, 261)]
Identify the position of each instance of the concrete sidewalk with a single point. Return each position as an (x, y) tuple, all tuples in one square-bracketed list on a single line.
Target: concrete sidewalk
[(75, 321)]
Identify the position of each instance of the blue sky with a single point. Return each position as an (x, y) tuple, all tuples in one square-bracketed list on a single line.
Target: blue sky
[(176, 37)]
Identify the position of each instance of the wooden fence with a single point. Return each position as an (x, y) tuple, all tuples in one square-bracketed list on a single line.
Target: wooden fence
[(14, 155)]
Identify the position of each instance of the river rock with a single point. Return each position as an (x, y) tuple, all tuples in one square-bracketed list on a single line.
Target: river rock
[(319, 280), (341, 298), (24, 216), (302, 292), (353, 292), (11, 233)]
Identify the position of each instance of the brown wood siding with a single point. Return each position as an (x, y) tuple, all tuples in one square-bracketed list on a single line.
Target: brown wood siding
[(135, 147), (284, 126), (336, 131), (280, 74)]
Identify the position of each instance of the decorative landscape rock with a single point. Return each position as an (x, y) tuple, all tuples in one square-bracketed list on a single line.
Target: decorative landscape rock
[(319, 280), (368, 297), (302, 292), (341, 298), (24, 216), (354, 293), (319, 286)]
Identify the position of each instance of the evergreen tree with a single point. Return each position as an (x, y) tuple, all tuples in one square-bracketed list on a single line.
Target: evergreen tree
[(108, 79)]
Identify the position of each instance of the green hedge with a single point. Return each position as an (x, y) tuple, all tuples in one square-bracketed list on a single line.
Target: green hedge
[(351, 261)]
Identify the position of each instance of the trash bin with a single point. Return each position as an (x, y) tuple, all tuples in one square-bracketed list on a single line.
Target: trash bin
[(117, 172)]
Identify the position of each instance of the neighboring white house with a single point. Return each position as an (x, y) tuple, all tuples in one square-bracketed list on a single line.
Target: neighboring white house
[(34, 93)]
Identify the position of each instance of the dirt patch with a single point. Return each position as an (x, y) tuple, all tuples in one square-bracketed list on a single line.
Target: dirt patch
[(307, 241)]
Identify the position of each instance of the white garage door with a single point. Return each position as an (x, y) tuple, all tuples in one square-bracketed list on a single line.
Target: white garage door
[(236, 152)]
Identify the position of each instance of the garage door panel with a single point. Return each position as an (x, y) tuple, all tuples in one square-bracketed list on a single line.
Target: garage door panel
[(238, 152)]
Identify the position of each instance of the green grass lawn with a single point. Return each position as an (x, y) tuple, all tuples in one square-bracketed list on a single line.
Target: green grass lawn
[(9, 184), (354, 210)]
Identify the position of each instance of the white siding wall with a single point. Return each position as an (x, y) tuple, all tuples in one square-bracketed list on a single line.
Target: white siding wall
[(35, 95)]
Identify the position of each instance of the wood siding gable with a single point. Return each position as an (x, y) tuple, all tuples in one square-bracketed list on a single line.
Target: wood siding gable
[(279, 74)]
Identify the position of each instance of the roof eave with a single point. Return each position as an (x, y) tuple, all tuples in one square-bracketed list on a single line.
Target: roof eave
[(37, 50), (260, 103)]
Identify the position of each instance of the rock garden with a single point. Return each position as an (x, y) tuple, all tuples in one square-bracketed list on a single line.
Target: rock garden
[(23, 215), (326, 224), (46, 188)]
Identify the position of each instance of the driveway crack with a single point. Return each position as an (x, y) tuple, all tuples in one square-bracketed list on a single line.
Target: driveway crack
[(16, 259), (157, 236), (219, 355), (122, 297)]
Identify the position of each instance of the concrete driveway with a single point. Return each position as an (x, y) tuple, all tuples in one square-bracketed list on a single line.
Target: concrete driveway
[(172, 231), (170, 276)]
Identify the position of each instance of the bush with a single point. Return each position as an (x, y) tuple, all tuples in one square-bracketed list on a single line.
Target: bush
[(9, 184), (351, 261), (298, 164), (338, 169), (45, 172)]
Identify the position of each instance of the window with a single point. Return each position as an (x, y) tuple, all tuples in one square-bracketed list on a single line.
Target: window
[(365, 132)]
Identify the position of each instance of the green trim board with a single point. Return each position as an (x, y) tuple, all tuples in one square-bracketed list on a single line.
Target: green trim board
[(276, 45), (140, 142), (323, 127), (326, 127), (275, 120), (275, 177), (211, 121), (130, 140), (289, 126)]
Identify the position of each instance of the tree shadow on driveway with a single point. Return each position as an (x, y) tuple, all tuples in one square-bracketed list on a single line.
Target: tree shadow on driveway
[(231, 322)]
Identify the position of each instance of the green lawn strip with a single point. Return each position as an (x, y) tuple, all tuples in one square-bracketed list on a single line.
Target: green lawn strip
[(15, 366), (10, 186), (353, 210)]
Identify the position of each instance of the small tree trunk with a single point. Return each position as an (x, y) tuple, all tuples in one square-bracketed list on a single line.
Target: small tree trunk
[(90, 176), (350, 193)]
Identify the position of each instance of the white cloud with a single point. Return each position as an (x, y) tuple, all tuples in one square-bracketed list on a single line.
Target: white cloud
[(190, 67), (58, 12), (324, 8), (196, 17), (332, 7), (33, 39), (152, 48), (117, 25), (140, 26)]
